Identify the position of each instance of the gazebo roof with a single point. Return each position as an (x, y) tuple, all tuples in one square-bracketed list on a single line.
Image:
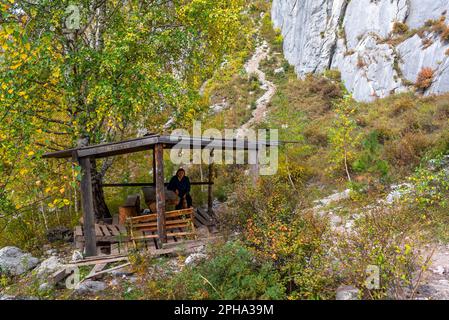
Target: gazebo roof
[(147, 142)]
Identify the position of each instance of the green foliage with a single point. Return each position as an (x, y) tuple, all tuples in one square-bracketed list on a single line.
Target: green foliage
[(368, 160), (378, 239), (130, 65), (343, 136), (333, 74), (295, 242), (273, 36), (232, 273), (431, 183)]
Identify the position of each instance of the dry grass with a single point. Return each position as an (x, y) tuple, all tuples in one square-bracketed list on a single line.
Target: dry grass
[(400, 28), (425, 78)]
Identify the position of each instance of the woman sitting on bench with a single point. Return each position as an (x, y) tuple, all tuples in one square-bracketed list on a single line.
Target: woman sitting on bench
[(180, 184)]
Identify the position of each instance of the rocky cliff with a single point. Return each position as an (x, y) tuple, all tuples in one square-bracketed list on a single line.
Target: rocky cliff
[(380, 46)]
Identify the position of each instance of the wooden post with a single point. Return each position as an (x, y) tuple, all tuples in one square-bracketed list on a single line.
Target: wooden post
[(88, 207), (154, 166), (160, 192), (209, 186)]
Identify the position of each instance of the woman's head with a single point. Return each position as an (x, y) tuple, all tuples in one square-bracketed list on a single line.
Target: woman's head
[(180, 173)]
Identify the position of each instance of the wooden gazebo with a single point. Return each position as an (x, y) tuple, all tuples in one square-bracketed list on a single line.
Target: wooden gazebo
[(157, 143)]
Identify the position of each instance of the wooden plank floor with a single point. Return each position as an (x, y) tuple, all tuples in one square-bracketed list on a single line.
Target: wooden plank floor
[(115, 235)]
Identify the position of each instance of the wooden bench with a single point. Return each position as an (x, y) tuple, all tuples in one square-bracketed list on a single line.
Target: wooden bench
[(178, 223)]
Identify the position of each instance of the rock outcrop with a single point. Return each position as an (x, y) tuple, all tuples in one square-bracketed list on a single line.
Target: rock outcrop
[(357, 37)]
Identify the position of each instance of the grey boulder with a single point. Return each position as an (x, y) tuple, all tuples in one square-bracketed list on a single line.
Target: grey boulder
[(14, 261)]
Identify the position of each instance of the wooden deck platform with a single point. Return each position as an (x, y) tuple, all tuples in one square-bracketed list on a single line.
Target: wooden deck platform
[(114, 239)]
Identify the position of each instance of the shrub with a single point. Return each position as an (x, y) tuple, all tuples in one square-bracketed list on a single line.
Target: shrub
[(333, 74), (445, 34), (327, 88), (407, 151), (425, 78), (431, 183), (400, 28), (298, 248), (272, 224), (232, 273), (369, 159), (439, 26), (404, 104), (378, 239)]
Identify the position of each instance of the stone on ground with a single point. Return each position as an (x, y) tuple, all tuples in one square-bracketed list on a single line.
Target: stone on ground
[(90, 286), (347, 293), (49, 266), (195, 258), (16, 262)]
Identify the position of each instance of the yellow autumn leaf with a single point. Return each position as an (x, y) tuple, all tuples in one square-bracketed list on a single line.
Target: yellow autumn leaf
[(31, 153), (8, 30), (62, 190), (22, 93), (23, 171), (14, 67), (56, 73)]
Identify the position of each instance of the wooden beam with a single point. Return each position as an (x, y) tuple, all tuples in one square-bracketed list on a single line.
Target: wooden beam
[(149, 184), (88, 207), (160, 191), (113, 149)]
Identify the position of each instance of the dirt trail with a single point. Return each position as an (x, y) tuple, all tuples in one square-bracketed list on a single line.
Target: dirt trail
[(252, 67)]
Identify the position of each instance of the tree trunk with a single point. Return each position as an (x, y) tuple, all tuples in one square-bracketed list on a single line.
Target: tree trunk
[(100, 207)]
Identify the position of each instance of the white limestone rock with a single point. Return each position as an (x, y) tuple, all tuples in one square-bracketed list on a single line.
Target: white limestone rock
[(347, 293), (15, 262), (414, 57), (48, 267), (372, 17), (309, 28), (369, 71), (322, 34), (423, 10), (195, 258), (335, 197)]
